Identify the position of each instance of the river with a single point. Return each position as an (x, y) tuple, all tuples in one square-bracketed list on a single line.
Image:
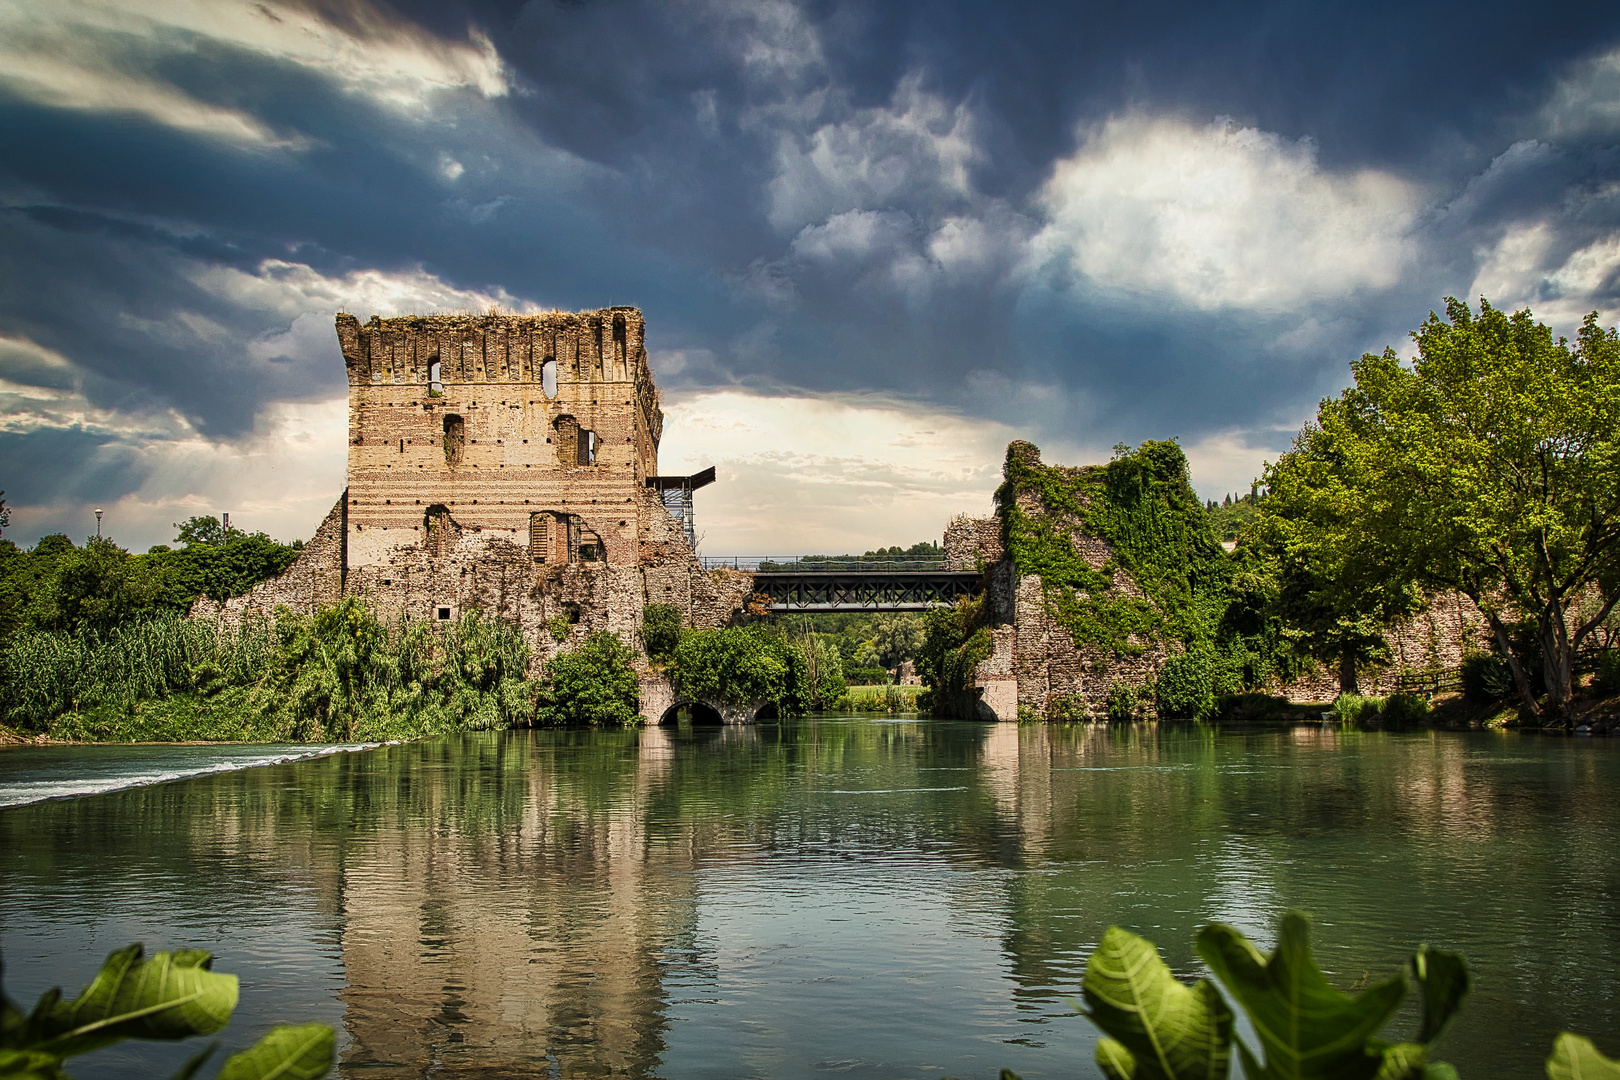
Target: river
[(835, 896)]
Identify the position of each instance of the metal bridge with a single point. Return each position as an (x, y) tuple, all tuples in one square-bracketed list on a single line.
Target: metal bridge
[(807, 583)]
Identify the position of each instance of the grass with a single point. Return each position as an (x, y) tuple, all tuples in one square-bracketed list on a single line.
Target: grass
[(889, 698)]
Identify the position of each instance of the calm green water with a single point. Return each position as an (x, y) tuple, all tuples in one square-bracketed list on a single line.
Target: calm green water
[(834, 896)]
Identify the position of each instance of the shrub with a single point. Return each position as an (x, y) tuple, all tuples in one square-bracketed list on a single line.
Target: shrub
[(1402, 710), (733, 666), (1121, 703), (660, 629), (1606, 672), (1185, 689), (867, 676), (1353, 709), (1486, 677), (1067, 709), (592, 685)]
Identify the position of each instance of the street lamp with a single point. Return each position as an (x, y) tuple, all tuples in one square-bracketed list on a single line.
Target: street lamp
[(98, 523)]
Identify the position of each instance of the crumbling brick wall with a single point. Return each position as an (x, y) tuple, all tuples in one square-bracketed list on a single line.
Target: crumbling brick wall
[(499, 463)]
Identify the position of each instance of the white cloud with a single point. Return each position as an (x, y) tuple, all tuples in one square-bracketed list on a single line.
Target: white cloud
[(1222, 217), (1228, 462), (800, 475), (1586, 101), (282, 479), (100, 55), (1532, 266), (291, 289), (917, 146)]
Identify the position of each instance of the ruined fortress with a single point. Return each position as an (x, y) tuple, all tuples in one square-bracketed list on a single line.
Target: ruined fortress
[(508, 464)]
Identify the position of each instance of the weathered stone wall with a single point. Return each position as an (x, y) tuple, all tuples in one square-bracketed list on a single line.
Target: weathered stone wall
[(313, 581), (487, 446), (1038, 655), (500, 463), (1437, 638), (972, 542)]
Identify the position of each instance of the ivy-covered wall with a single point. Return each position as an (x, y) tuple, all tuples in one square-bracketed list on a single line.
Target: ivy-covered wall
[(1125, 554)]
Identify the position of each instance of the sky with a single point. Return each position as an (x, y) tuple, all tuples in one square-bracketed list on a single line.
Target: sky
[(874, 242)]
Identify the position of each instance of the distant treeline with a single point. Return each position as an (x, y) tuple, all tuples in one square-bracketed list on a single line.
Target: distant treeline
[(60, 586)]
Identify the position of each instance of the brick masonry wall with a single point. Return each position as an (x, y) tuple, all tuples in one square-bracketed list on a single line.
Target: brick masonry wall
[(446, 476)]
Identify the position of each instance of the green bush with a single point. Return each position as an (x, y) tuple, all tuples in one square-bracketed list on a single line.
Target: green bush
[(1122, 704), (1185, 689), (1353, 710), (660, 629), (734, 666), (1486, 677), (340, 674), (1067, 709), (1404, 710), (1606, 672), (591, 686), (867, 676)]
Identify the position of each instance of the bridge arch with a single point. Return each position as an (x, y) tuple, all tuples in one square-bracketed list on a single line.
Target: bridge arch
[(701, 713)]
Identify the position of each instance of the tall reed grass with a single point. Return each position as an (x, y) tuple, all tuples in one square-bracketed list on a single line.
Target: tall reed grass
[(43, 675), (339, 674)]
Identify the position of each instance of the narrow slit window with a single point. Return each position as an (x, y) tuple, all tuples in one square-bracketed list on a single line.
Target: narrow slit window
[(455, 438), (435, 385), (548, 377)]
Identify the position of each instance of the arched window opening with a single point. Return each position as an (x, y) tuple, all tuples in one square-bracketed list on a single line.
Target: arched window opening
[(455, 438), (567, 439), (620, 349), (548, 377), (435, 385), (441, 530), (543, 532)]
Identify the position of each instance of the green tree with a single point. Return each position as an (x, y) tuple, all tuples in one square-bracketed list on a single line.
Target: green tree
[(1334, 593), (1490, 465), (896, 639), (734, 666), (660, 629), (201, 529), (592, 685)]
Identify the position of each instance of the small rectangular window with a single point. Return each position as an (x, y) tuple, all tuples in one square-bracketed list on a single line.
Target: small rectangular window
[(444, 613)]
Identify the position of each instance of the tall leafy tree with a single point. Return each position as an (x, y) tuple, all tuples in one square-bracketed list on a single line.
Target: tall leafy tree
[(1490, 465), (1334, 592)]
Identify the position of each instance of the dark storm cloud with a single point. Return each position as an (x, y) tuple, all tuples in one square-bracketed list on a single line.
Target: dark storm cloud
[(912, 199)]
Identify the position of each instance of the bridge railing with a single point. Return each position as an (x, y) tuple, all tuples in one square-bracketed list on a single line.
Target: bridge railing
[(788, 564)]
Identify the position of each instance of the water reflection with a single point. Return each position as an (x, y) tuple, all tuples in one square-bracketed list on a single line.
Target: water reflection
[(840, 894)]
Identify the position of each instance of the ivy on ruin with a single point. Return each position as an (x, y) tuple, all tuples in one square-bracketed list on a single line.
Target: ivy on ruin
[(1143, 506)]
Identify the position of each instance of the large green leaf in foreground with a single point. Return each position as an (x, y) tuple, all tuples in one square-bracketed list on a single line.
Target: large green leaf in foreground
[(1307, 1029), (1162, 1030), (1575, 1058), (169, 996), (301, 1052)]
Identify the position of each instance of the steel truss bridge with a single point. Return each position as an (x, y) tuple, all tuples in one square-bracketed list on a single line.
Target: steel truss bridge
[(809, 584)]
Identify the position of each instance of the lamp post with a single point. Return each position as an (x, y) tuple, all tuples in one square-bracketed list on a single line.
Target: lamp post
[(98, 523)]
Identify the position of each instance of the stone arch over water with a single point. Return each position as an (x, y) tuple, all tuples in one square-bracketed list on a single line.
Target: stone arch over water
[(700, 712)]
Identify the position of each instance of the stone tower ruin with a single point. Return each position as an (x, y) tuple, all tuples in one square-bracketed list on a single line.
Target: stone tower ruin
[(508, 464)]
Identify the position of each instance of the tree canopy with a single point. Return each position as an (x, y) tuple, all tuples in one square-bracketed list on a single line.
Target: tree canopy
[(1488, 465)]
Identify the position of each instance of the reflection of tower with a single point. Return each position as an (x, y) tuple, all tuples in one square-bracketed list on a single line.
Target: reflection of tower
[(1018, 771), (502, 921)]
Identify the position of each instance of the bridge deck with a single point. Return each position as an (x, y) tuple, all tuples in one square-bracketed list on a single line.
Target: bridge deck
[(864, 590)]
